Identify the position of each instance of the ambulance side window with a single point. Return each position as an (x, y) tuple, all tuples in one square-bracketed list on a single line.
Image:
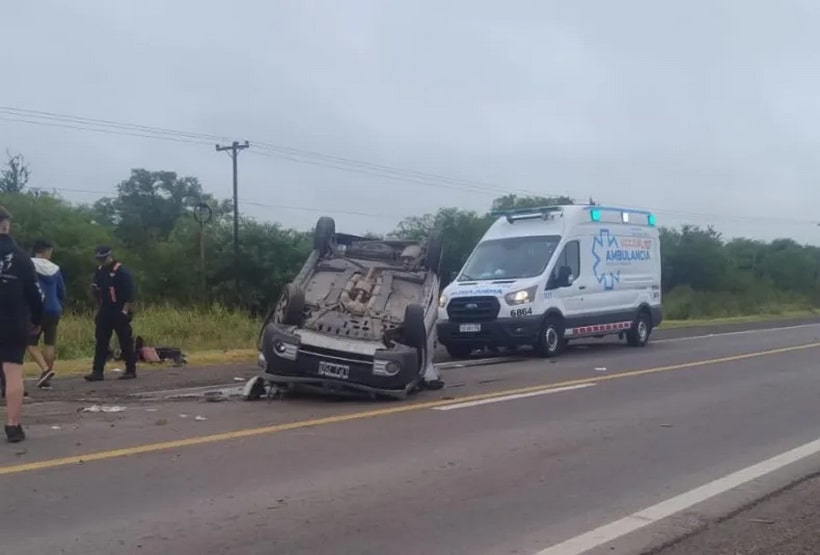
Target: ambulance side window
[(567, 264)]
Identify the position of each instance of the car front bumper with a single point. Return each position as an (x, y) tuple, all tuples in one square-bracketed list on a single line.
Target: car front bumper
[(287, 361)]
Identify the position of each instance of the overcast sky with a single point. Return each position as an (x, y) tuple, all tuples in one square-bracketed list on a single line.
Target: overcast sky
[(706, 111)]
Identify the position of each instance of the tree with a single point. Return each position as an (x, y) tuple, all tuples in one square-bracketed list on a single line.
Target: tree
[(14, 178), (148, 206)]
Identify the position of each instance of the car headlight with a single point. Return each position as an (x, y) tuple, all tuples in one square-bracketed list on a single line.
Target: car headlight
[(442, 301), (285, 350), (522, 296), (385, 367)]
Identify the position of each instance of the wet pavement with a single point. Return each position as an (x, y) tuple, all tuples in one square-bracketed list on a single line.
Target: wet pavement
[(510, 457)]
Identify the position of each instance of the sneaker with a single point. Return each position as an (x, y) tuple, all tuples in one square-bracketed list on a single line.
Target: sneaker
[(94, 377), (45, 379), (15, 434)]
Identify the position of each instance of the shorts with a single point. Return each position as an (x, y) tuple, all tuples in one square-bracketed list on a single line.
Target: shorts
[(13, 341), (12, 353), (48, 329)]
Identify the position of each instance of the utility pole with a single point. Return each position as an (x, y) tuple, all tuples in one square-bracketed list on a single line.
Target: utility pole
[(233, 152)]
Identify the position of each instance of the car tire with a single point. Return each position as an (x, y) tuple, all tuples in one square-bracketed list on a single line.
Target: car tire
[(550, 338), (323, 234), (433, 257), (415, 332), (638, 334), (290, 310)]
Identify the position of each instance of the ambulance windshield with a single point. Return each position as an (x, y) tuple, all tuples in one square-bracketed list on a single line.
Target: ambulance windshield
[(510, 258)]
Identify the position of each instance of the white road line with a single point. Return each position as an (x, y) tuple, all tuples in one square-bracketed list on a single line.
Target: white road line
[(650, 515), (744, 332), (512, 397)]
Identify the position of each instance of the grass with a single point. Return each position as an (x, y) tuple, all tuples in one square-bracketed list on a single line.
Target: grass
[(216, 335), (210, 335)]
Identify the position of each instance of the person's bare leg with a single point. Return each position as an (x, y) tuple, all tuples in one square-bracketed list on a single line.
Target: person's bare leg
[(35, 353), (14, 392), (48, 355)]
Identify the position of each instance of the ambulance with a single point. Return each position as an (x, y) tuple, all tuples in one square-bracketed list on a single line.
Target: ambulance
[(544, 276)]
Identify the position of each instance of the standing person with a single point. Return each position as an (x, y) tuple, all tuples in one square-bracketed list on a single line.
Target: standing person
[(21, 311), (53, 288), (114, 290)]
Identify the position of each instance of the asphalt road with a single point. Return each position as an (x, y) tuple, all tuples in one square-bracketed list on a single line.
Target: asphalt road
[(516, 457)]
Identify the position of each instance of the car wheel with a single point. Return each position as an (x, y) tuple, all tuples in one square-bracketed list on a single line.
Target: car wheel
[(290, 310), (433, 258), (551, 338), (323, 234), (638, 334)]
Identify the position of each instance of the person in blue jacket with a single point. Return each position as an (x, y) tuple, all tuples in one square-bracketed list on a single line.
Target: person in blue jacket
[(53, 287)]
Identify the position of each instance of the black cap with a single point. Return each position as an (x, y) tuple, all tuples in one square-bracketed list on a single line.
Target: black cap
[(102, 252)]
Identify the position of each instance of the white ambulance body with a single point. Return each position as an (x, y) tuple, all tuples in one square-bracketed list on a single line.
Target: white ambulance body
[(543, 276)]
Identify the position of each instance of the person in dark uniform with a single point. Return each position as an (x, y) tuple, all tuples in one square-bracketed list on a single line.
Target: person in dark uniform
[(113, 289), (21, 313)]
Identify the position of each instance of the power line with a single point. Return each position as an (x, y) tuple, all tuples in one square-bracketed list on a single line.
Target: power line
[(313, 158), (54, 119)]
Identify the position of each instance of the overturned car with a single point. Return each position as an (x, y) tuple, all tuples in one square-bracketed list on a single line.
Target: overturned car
[(359, 318)]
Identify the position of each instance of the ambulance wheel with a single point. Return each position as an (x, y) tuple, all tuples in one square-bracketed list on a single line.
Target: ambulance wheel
[(550, 338), (638, 334), (323, 234)]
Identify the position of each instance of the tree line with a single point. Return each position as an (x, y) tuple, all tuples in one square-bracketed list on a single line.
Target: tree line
[(153, 223)]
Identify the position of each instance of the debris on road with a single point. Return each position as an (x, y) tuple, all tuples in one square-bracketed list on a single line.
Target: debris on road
[(56, 427), (183, 416), (200, 419), (215, 396), (601, 369), (238, 379), (103, 408)]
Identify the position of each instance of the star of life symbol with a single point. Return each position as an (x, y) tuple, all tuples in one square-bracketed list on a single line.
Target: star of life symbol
[(600, 244)]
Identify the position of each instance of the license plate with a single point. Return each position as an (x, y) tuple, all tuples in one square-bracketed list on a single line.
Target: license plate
[(469, 328), (333, 370)]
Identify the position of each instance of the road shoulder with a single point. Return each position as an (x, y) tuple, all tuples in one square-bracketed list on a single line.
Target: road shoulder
[(787, 523)]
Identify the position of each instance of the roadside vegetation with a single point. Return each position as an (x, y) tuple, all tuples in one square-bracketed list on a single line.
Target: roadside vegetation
[(151, 224)]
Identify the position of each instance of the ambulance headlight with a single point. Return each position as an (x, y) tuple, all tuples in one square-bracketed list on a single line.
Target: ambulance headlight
[(442, 301), (522, 296)]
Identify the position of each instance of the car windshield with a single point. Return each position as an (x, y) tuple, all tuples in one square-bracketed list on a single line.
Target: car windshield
[(511, 258)]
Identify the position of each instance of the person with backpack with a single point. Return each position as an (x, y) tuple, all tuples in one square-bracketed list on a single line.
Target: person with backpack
[(21, 312), (113, 289), (53, 287)]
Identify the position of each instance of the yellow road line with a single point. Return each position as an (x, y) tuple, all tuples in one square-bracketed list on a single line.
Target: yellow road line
[(251, 432)]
